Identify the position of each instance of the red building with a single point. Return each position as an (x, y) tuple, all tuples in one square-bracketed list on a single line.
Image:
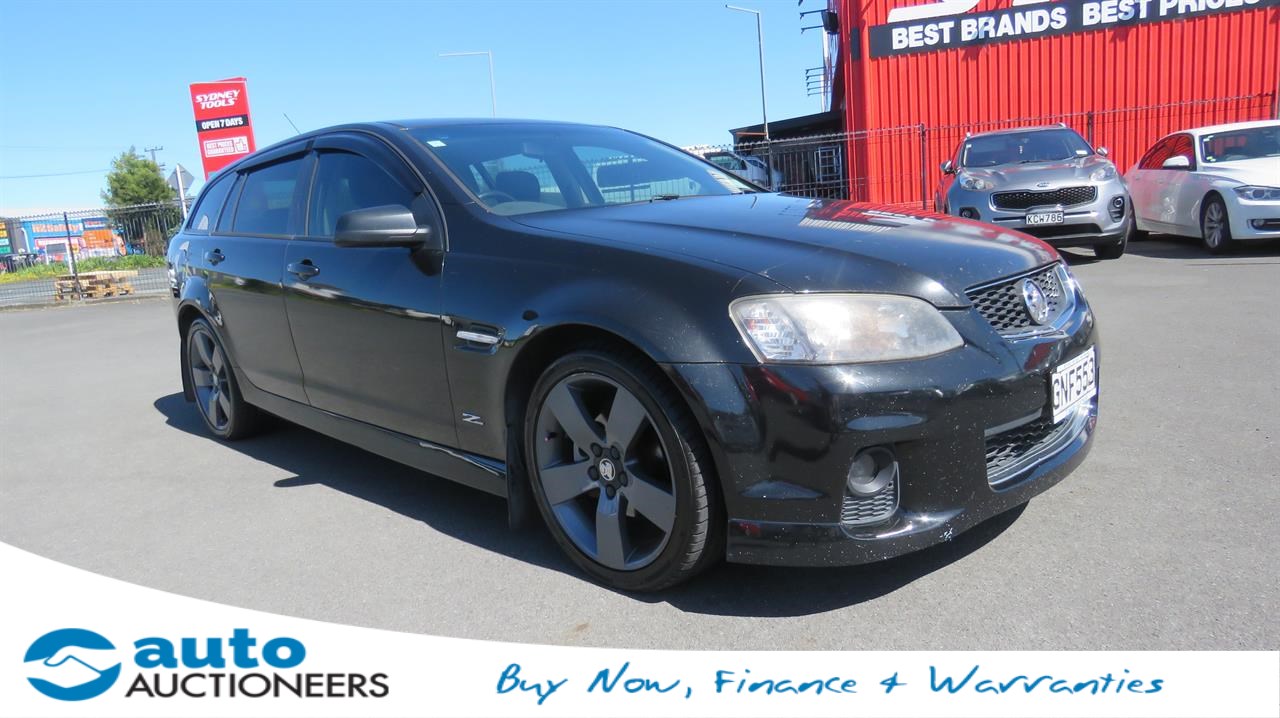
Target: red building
[(912, 79)]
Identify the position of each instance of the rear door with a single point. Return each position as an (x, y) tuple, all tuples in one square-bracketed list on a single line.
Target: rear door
[(366, 320), (244, 260), (1148, 186)]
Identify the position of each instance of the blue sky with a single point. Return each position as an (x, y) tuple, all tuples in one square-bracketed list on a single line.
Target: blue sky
[(81, 82)]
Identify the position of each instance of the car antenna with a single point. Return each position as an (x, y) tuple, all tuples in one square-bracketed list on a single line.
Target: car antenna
[(295, 127)]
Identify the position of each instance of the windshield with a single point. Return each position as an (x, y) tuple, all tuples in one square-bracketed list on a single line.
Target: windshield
[(1251, 144), (515, 168), (1023, 147)]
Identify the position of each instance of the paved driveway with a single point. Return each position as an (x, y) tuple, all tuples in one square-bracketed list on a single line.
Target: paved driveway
[(1164, 539)]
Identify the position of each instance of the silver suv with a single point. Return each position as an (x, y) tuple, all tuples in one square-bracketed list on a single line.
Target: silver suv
[(1044, 181)]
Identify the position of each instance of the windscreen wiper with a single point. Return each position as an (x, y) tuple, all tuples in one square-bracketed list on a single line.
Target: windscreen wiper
[(664, 197)]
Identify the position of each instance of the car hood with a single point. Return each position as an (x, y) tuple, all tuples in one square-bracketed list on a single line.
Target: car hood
[(811, 245), (1026, 176), (1261, 171)]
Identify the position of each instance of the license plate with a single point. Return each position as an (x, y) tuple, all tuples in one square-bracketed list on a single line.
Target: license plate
[(1073, 383), (1038, 218)]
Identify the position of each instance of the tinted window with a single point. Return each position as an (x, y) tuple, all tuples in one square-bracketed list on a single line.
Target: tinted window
[(516, 168), (1023, 147), (345, 182), (267, 199), (205, 214)]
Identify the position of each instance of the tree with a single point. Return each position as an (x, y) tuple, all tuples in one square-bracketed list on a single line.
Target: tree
[(136, 180)]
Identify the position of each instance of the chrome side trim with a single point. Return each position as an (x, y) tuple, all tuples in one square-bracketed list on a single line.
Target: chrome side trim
[(477, 337)]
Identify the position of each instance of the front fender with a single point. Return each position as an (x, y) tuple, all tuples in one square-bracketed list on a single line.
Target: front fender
[(536, 286)]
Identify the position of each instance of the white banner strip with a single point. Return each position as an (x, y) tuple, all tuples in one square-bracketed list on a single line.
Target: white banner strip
[(77, 644)]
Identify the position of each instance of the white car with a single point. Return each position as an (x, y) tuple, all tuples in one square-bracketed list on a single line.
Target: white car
[(750, 168), (1220, 183)]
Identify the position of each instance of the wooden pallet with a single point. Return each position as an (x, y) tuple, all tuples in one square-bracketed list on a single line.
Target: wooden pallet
[(94, 285)]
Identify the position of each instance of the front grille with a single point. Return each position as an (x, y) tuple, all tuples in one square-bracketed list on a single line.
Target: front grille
[(1005, 449), (1060, 230), (1011, 452), (1025, 199), (1002, 306), (869, 509)]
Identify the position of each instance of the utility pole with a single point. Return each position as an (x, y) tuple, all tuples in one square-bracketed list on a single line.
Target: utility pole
[(153, 151)]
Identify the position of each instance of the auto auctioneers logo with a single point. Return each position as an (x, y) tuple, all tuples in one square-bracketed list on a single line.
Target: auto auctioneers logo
[(74, 664)]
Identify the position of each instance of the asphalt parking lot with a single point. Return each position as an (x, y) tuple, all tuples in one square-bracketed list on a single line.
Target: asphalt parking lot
[(1164, 539)]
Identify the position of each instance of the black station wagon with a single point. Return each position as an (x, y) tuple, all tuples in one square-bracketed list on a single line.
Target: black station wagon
[(672, 365)]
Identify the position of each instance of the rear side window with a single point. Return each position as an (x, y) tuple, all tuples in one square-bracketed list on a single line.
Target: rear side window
[(345, 182), (205, 215), (266, 202)]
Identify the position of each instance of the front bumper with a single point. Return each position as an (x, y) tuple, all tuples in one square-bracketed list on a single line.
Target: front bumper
[(1092, 223), (783, 438), (1252, 219)]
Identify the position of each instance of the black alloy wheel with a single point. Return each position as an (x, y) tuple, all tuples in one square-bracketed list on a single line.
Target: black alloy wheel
[(620, 471), (217, 395)]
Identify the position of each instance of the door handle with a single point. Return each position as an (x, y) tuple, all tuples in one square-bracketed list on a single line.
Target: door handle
[(303, 270), (214, 257)]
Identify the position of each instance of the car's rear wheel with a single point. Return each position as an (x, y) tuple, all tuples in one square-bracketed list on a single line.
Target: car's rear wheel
[(217, 395), (620, 472), (1215, 226)]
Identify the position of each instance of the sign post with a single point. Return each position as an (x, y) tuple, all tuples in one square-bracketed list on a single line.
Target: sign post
[(223, 127), (180, 179)]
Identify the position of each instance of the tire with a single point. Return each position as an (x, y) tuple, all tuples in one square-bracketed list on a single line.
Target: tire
[(1215, 226), (620, 471), (218, 399), (1111, 251)]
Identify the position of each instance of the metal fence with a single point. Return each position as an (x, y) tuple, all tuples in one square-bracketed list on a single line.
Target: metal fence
[(900, 165), (89, 254)]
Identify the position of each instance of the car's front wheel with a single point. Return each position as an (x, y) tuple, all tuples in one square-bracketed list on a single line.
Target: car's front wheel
[(217, 395), (620, 471), (1111, 251), (1215, 227)]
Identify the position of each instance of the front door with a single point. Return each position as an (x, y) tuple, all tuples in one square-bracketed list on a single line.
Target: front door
[(366, 320)]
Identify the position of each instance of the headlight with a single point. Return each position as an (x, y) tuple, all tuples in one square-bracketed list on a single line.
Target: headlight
[(975, 183), (1104, 172), (1258, 193), (842, 328)]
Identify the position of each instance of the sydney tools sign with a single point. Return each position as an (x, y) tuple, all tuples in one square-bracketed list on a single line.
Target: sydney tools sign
[(950, 23), (222, 122)]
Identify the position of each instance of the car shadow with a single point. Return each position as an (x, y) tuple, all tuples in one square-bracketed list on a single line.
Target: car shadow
[(481, 520), (1168, 246)]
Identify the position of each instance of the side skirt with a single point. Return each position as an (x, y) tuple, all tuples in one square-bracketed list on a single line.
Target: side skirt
[(478, 472)]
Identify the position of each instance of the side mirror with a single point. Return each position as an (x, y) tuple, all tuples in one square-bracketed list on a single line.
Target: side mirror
[(948, 168), (1102, 151), (390, 225), (1177, 162)]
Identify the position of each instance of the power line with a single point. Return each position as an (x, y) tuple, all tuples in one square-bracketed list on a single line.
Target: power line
[(52, 174)]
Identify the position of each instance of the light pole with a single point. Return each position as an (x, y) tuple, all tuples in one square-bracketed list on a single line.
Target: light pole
[(493, 88), (764, 105)]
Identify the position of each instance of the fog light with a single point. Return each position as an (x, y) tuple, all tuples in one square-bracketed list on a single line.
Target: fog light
[(871, 471), (968, 213), (1117, 207)]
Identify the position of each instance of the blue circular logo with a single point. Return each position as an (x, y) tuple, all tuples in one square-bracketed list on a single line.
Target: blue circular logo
[(72, 664)]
